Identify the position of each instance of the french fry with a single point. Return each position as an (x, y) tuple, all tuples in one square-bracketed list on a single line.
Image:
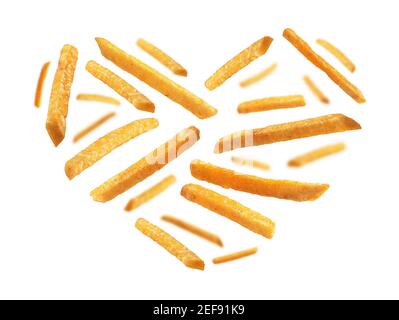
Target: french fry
[(106, 144), (165, 240), (120, 86), (316, 154), (271, 103), (194, 229), (315, 90), (338, 54), (147, 165), (93, 126), (156, 80), (40, 84), (235, 256), (331, 123), (97, 98), (60, 92), (150, 193), (282, 189), (323, 65), (250, 163), (162, 57), (229, 209), (241, 60), (259, 76)]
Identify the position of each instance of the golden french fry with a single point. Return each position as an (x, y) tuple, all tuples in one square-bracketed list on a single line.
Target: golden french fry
[(93, 126), (162, 57), (156, 80), (150, 193), (338, 54), (147, 165), (60, 92), (259, 76), (40, 83), (229, 208), (316, 154), (251, 163), (241, 60), (271, 103), (165, 240), (331, 123), (235, 256), (97, 98), (315, 90), (106, 144), (120, 86), (323, 65), (194, 229)]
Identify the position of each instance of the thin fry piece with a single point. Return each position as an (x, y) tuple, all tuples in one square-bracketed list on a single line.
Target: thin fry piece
[(282, 189), (147, 165), (162, 57), (229, 209), (315, 90), (106, 144), (165, 240), (251, 163), (331, 123), (150, 193), (120, 86), (259, 76), (316, 154), (93, 126), (60, 92), (194, 229), (97, 98), (235, 256), (40, 84), (156, 80), (338, 54), (271, 103), (241, 60), (323, 65)]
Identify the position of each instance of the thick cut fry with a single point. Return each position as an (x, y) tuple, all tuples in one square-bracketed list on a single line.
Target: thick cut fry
[(323, 65), (120, 86), (162, 57), (93, 126), (165, 240), (97, 98), (60, 92), (151, 193), (338, 54), (245, 57), (40, 84), (331, 123), (315, 90), (230, 209), (259, 76), (147, 165), (235, 256), (251, 163), (156, 80), (106, 144), (316, 154), (282, 189), (194, 229), (271, 103)]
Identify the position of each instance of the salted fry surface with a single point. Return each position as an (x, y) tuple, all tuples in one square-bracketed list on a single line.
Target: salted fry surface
[(272, 103), (40, 84), (235, 256), (97, 98), (258, 77), (90, 128), (338, 54), (316, 154), (316, 90)]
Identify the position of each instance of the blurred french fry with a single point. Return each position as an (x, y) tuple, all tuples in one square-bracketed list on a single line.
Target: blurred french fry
[(251, 163), (97, 98), (271, 103), (258, 77), (90, 128), (338, 54), (40, 84), (235, 256), (315, 90)]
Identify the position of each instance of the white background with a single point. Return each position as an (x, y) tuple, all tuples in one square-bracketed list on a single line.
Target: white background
[(55, 242)]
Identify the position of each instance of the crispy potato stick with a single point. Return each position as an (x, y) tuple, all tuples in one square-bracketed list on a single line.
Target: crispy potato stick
[(97, 98), (151, 193), (315, 90), (147, 165), (93, 126), (229, 208), (120, 86), (235, 256), (338, 54), (286, 131), (194, 229), (323, 65), (271, 103), (40, 83), (162, 57), (259, 76), (156, 80), (282, 189), (165, 240), (106, 144), (244, 58), (316, 154), (250, 163), (60, 92)]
